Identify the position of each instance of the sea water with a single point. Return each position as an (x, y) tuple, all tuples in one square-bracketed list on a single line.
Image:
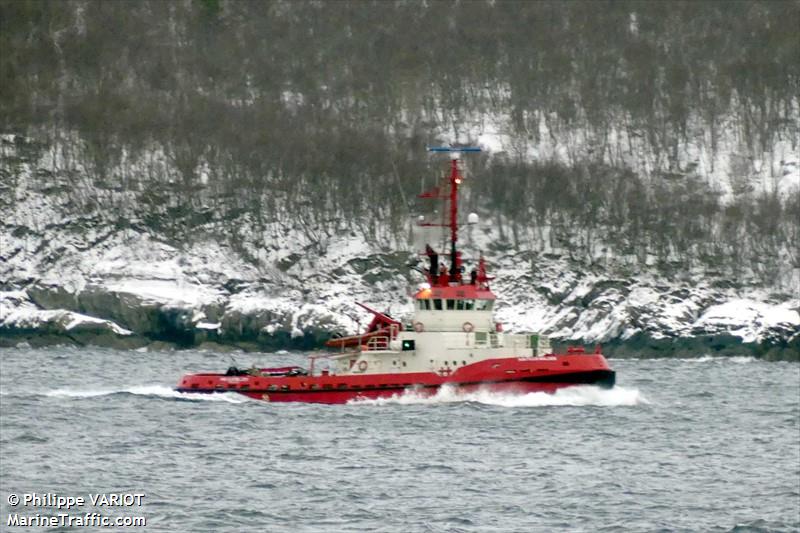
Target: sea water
[(703, 444)]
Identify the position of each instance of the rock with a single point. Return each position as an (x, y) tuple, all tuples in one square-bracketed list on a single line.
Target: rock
[(50, 296), (21, 320)]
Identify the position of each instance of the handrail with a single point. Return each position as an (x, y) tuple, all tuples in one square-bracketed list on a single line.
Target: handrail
[(375, 344)]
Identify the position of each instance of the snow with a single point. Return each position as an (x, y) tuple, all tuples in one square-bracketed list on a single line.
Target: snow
[(169, 292), (555, 296), (77, 319), (745, 318), (19, 313), (775, 170)]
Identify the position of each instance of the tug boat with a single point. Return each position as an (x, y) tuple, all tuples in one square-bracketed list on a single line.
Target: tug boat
[(452, 341)]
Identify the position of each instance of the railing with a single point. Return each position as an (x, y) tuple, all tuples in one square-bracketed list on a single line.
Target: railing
[(377, 344)]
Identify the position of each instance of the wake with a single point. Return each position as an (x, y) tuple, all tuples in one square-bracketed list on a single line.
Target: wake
[(578, 396), (157, 391)]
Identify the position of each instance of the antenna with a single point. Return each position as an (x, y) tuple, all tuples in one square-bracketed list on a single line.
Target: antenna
[(455, 180)]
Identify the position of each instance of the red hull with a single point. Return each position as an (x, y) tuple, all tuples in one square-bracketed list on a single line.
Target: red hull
[(516, 375)]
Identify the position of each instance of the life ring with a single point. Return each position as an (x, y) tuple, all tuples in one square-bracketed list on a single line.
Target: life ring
[(362, 366), (419, 327), (467, 327)]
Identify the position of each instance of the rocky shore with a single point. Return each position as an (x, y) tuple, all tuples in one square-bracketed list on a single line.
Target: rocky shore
[(137, 306)]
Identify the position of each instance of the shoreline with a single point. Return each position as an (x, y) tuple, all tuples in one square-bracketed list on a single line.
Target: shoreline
[(637, 347)]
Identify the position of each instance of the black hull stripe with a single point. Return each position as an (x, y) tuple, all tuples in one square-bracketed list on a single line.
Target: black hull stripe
[(603, 378)]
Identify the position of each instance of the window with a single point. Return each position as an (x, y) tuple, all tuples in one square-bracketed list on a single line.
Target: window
[(451, 305), (459, 305), (469, 305), (437, 304), (483, 305)]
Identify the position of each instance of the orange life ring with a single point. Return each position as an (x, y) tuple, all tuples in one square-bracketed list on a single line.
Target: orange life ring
[(362, 365), (419, 327), (467, 327)]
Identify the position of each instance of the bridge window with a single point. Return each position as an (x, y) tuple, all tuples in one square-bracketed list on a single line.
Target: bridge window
[(469, 305), (483, 305), (437, 304), (451, 305), (459, 305), (424, 305)]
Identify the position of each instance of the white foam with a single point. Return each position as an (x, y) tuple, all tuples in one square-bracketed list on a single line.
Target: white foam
[(738, 359), (148, 390), (582, 395)]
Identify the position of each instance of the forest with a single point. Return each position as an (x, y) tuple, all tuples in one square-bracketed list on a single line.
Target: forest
[(189, 118)]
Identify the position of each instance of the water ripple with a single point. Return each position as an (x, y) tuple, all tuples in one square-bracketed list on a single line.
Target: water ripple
[(704, 444)]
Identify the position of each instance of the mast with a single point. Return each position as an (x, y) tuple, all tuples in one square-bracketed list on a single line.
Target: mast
[(455, 180)]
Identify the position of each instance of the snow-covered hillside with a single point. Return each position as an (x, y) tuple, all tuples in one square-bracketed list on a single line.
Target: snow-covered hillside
[(130, 285), (73, 279)]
